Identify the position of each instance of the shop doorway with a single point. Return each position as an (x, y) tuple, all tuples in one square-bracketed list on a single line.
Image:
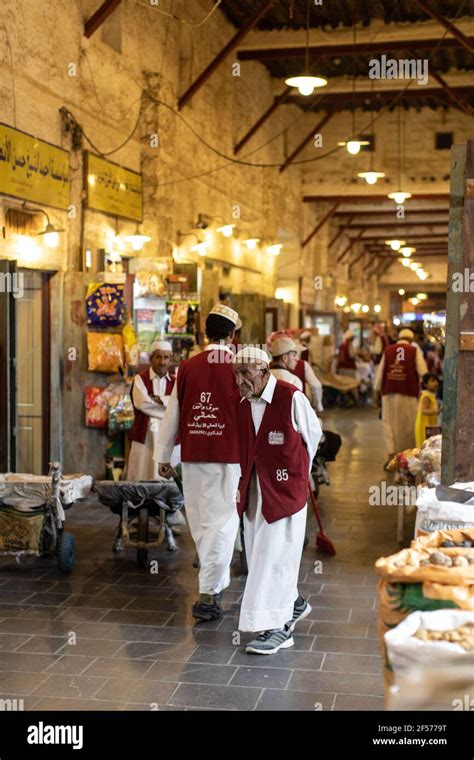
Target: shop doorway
[(24, 370)]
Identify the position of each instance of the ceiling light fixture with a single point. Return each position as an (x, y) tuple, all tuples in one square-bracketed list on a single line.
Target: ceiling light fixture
[(252, 243), (399, 196), (407, 251), (137, 240), (226, 230), (275, 249), (306, 83), (395, 244), (50, 233)]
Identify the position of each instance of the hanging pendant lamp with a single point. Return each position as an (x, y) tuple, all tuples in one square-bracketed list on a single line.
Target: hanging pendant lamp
[(306, 83)]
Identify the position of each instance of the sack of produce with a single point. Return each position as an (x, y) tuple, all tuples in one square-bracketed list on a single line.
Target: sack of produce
[(435, 514), (424, 637)]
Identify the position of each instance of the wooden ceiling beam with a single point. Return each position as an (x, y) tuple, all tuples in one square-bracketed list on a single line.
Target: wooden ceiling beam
[(374, 197), (320, 224), (306, 140), (464, 41), (263, 118), (339, 50), (101, 15), (220, 57)]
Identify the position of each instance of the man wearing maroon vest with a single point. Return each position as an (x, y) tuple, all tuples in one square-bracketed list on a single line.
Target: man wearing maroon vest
[(398, 380), (150, 393), (201, 410), (346, 362), (279, 434)]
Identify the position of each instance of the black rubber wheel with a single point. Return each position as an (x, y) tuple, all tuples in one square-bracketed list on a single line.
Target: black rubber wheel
[(142, 554), (66, 552)]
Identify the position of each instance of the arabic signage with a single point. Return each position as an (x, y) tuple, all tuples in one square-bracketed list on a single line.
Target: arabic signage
[(113, 189), (32, 169)]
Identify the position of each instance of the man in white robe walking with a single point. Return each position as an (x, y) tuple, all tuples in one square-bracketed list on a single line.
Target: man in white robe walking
[(279, 434)]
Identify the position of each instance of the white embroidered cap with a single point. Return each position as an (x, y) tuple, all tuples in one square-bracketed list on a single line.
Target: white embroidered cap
[(225, 311), (161, 345), (251, 355)]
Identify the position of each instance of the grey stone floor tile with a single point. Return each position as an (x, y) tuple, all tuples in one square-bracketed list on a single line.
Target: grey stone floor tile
[(211, 654), (358, 702), (69, 665), (353, 663), (346, 683), (346, 645), (148, 692), (186, 672), (110, 667), (261, 676), (14, 682), (50, 704), (220, 697), (60, 686), (277, 699)]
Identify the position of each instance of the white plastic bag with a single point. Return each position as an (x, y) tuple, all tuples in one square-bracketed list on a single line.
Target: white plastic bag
[(405, 650), (442, 515)]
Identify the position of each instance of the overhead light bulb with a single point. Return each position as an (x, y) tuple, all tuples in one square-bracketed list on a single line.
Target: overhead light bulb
[(306, 84), (371, 177), (50, 234), (275, 249), (51, 239), (407, 250), (355, 307), (353, 146), (422, 274), (200, 248), (137, 241), (365, 308), (415, 265), (404, 262), (395, 245), (340, 301), (251, 243), (401, 292), (422, 296), (226, 230), (399, 196), (377, 308), (414, 301), (396, 321)]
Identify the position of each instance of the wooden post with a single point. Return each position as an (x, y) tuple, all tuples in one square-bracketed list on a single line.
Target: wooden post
[(101, 15), (458, 409)]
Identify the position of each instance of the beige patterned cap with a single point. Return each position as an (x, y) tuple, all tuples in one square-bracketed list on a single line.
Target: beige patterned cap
[(225, 311)]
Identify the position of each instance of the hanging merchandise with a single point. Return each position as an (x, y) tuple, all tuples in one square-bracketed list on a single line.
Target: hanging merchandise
[(104, 304), (105, 352), (149, 283), (130, 345), (121, 412), (178, 317), (96, 407)]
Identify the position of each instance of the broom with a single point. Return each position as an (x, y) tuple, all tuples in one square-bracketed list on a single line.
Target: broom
[(323, 542)]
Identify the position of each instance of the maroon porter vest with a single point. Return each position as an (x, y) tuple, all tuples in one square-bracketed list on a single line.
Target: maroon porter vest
[(142, 420), (399, 372), (277, 452), (207, 427)]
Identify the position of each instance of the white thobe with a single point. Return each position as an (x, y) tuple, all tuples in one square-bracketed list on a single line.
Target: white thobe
[(399, 410), (210, 490), (141, 464), (287, 376), (274, 549), (315, 387)]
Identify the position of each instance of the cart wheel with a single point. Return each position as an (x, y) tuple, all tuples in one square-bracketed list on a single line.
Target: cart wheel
[(66, 552), (142, 554)]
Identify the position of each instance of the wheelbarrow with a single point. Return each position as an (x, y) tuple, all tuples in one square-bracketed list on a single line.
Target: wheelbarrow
[(146, 510)]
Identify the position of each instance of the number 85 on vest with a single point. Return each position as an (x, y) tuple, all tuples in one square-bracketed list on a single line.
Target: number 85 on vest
[(281, 475)]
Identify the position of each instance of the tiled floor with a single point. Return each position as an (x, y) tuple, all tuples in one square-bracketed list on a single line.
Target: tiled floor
[(111, 637)]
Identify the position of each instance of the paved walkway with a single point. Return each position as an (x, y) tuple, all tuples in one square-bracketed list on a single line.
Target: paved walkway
[(112, 637)]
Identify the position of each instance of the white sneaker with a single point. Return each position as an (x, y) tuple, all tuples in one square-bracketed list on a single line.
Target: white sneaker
[(270, 642)]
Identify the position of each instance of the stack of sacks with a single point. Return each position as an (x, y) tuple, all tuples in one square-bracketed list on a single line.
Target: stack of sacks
[(435, 573), (437, 511)]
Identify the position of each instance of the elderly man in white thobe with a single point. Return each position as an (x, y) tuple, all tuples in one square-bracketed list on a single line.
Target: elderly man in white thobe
[(150, 395), (279, 434)]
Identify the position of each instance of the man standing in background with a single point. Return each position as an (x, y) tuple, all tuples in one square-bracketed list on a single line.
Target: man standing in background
[(150, 394)]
